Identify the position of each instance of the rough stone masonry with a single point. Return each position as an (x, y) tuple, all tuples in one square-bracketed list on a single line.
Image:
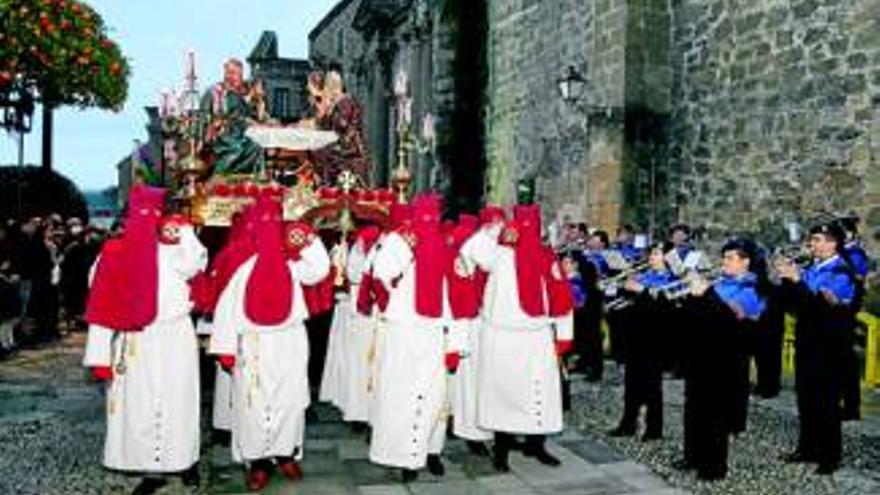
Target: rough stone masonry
[(734, 115)]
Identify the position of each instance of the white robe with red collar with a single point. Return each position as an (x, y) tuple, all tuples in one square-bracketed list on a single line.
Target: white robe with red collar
[(153, 399), (518, 378), (270, 387)]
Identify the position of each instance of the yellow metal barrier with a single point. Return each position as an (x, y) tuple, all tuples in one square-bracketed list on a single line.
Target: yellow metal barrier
[(788, 346), (871, 378), (872, 371)]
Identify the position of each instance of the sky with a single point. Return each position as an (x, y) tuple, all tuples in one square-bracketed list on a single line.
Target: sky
[(155, 36)]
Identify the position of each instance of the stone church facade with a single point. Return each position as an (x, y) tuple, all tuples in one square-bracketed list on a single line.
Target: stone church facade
[(740, 116), (370, 42)]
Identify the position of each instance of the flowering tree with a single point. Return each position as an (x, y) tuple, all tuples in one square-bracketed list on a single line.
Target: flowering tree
[(58, 51)]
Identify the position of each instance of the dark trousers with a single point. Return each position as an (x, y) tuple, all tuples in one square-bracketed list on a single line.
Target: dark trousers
[(588, 342), (851, 377), (818, 400), (643, 385), (318, 329), (767, 349), (707, 427), (616, 337), (740, 389)]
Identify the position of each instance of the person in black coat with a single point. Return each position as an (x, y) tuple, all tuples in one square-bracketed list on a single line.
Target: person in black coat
[(766, 345), (643, 323), (723, 313), (587, 315), (821, 296), (856, 256)]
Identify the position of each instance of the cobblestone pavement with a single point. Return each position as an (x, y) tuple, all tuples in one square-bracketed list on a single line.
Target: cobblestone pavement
[(51, 431)]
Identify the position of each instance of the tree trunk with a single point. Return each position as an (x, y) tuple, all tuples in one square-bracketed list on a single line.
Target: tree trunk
[(48, 111)]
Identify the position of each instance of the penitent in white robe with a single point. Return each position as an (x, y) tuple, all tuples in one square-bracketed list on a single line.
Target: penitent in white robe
[(153, 399), (411, 389), (221, 411), (359, 350), (270, 388), (518, 378), (334, 376), (465, 422)]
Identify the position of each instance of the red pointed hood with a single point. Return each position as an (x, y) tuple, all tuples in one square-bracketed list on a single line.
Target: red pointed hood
[(269, 292), (490, 214), (399, 216), (430, 251), (124, 293), (529, 253), (471, 222), (368, 236)]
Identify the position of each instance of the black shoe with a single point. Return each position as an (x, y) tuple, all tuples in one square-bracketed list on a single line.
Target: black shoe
[(478, 448), (499, 461), (850, 416), (796, 456), (826, 468), (542, 456), (409, 475), (149, 486), (622, 431), (683, 464), (711, 475), (191, 476), (435, 465), (221, 437), (650, 437)]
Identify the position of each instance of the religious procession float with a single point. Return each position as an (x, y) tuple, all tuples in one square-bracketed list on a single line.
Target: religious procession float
[(222, 150)]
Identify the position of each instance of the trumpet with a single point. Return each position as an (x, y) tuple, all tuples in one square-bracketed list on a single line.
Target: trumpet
[(797, 253), (613, 283), (682, 287)]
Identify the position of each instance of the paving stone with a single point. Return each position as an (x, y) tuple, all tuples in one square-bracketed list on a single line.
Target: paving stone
[(383, 490), (353, 448), (594, 452), (363, 472), (454, 487)]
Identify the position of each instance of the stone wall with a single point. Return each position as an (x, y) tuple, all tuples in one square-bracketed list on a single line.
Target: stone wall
[(574, 155), (409, 37), (775, 112)]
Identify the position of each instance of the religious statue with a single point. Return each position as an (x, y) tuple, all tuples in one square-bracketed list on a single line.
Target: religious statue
[(229, 107), (337, 111)]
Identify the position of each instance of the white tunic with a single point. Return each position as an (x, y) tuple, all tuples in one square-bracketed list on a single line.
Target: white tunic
[(221, 416), (359, 351), (410, 394), (518, 377), (465, 422), (270, 389), (153, 399), (331, 376)]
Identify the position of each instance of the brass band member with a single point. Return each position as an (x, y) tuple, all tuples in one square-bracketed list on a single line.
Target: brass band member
[(822, 296), (583, 278), (854, 253), (723, 312), (642, 323)]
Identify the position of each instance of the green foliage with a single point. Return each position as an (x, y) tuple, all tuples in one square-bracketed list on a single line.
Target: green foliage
[(60, 49), (29, 191)]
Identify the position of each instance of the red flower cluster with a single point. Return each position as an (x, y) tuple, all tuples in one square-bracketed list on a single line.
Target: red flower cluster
[(62, 45)]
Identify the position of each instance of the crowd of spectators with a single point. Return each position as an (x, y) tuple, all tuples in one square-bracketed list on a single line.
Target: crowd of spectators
[(44, 270)]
